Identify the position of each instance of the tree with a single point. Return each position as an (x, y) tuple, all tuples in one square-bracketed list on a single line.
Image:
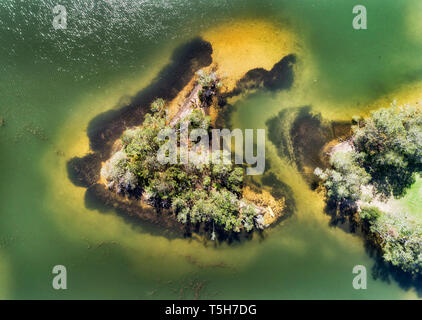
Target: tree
[(221, 170), (390, 142), (345, 179), (158, 106), (210, 86), (235, 180), (387, 153), (248, 214), (386, 156), (401, 237), (205, 193), (197, 119), (206, 79)]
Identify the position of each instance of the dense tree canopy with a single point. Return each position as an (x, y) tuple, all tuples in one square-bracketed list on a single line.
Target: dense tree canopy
[(208, 192), (385, 157), (345, 179), (390, 142), (386, 153), (401, 237), (209, 87)]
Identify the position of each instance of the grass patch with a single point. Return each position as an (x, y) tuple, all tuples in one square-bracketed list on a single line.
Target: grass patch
[(411, 202)]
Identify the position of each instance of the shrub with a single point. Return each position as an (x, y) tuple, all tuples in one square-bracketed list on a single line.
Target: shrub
[(178, 186), (370, 213), (386, 156), (206, 79), (401, 240), (345, 179)]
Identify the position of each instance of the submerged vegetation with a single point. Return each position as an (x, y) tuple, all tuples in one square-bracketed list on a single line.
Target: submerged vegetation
[(379, 162)]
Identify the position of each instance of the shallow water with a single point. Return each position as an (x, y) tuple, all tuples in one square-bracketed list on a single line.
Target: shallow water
[(53, 83)]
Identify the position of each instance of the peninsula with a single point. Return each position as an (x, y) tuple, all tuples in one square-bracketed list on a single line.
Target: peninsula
[(370, 175)]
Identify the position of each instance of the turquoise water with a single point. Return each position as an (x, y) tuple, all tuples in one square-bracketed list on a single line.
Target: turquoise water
[(53, 82)]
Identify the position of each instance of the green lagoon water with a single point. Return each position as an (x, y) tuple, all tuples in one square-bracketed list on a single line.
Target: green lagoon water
[(52, 83)]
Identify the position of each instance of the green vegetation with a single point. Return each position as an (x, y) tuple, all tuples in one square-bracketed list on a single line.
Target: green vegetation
[(390, 143), (206, 79), (384, 162), (400, 235), (196, 193), (411, 202), (387, 150), (210, 85), (344, 181)]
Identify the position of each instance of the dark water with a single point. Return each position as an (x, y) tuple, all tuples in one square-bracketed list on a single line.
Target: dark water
[(53, 82)]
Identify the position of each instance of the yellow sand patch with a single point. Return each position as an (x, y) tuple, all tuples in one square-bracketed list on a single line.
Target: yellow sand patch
[(410, 94), (213, 114), (244, 45), (274, 208)]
